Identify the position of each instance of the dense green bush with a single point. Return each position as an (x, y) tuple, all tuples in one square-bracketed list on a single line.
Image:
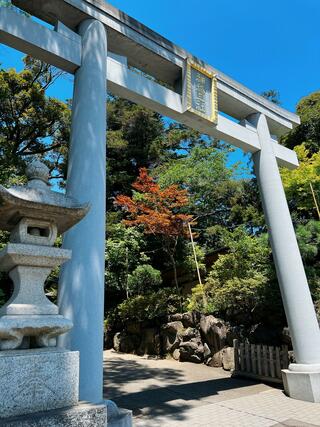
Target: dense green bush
[(238, 281), (309, 243), (150, 306), (144, 279)]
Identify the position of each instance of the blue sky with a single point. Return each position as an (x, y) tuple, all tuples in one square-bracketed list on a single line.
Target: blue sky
[(266, 44)]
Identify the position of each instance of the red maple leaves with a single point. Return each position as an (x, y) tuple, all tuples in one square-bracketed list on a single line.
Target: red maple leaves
[(158, 210)]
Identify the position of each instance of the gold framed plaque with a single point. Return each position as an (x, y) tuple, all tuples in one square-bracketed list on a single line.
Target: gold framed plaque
[(201, 92)]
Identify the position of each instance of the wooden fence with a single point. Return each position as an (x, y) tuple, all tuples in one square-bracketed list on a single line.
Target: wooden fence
[(260, 361)]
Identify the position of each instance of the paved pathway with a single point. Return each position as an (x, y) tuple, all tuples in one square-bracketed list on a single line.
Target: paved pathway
[(165, 393)]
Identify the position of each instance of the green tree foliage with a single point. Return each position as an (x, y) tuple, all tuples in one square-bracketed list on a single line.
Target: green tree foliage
[(7, 3), (272, 95), (239, 282), (138, 137), (144, 279), (150, 306), (217, 199), (297, 184), (124, 253), (308, 132), (30, 122), (241, 285), (308, 236), (189, 261), (159, 212)]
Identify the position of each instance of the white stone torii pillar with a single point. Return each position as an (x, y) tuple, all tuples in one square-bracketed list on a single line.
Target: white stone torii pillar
[(301, 379), (81, 288)]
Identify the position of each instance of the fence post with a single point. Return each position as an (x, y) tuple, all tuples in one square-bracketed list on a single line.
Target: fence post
[(272, 362), (278, 363), (236, 355)]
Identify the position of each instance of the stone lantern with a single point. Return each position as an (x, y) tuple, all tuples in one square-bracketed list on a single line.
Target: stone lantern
[(35, 374)]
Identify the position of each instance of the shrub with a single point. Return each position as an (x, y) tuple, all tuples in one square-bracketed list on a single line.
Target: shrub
[(150, 306), (144, 279), (240, 281)]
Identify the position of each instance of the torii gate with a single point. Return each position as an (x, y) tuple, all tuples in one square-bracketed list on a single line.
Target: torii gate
[(190, 92)]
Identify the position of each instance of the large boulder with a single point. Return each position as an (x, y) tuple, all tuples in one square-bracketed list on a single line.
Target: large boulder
[(125, 343), (215, 361), (235, 332), (190, 334), (150, 342), (176, 354), (133, 328), (108, 340), (171, 336), (191, 352), (213, 332), (191, 319), (206, 351), (177, 317), (116, 341)]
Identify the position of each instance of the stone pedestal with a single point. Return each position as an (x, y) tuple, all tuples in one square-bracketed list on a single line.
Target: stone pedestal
[(302, 382), (37, 380), (117, 417), (82, 415)]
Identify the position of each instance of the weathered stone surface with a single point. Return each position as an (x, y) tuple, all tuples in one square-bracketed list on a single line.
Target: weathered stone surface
[(191, 319), (33, 214), (228, 358), (176, 354), (133, 328), (175, 317), (216, 360), (214, 332), (189, 334), (126, 343), (29, 312), (118, 417), (45, 329), (82, 415), (15, 254), (150, 342), (116, 341), (28, 231), (29, 202), (170, 335), (206, 351), (37, 380), (191, 352)]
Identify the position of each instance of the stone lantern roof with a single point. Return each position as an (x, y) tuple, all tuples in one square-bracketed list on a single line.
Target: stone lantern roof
[(36, 200)]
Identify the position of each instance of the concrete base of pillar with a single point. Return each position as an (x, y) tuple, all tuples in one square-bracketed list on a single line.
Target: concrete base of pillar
[(302, 382), (82, 415), (118, 417)]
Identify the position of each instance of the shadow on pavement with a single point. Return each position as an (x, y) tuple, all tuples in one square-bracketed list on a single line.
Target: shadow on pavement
[(170, 399)]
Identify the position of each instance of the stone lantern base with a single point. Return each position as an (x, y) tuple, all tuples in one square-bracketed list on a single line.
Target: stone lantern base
[(40, 387), (82, 415), (37, 380)]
